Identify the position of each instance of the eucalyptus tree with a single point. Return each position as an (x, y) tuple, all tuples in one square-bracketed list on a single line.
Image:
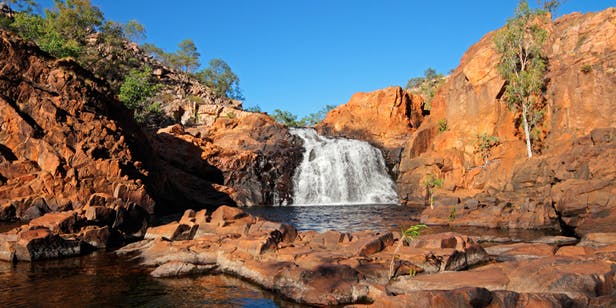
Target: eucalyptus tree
[(523, 65)]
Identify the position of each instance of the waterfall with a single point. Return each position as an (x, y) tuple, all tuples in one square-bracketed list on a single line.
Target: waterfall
[(340, 171)]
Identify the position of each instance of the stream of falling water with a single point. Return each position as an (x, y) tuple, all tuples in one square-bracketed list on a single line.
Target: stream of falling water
[(340, 171)]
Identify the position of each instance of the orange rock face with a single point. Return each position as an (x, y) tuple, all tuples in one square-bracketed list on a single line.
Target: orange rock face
[(249, 153), (569, 181), (576, 103), (60, 136), (385, 118)]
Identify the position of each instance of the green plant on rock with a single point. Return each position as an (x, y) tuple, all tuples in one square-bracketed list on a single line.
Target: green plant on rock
[(484, 145), (254, 108), (442, 125), (287, 118), (431, 183), (135, 93), (230, 115), (316, 117), (406, 236), (426, 86), (452, 214)]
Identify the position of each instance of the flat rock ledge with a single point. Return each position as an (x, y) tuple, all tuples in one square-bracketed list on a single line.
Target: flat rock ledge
[(373, 268)]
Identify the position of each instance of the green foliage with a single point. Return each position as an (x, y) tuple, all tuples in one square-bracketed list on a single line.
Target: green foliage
[(452, 214), (289, 119), (5, 23), (137, 88), (195, 99), (431, 183), (187, 56), (78, 29), (586, 68), (412, 232), (484, 145), (135, 92), (316, 117), (442, 125), (550, 5), (221, 79), (254, 108), (151, 115), (286, 118), (75, 19), (134, 31), (23, 5), (426, 86), (230, 115), (38, 29), (158, 54), (406, 236), (522, 63)]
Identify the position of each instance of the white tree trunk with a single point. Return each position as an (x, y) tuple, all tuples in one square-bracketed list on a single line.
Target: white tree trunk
[(526, 130)]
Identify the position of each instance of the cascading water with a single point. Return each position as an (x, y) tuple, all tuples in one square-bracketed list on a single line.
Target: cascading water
[(340, 171)]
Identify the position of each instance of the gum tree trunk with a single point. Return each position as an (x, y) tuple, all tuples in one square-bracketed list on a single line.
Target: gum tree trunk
[(526, 130)]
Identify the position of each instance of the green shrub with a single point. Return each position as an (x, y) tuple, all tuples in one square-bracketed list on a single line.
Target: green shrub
[(442, 125), (484, 145), (431, 183), (452, 214), (230, 115), (135, 94), (586, 68), (406, 236), (426, 86), (137, 88), (254, 108)]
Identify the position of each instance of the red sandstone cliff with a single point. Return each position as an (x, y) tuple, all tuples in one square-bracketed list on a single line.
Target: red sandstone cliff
[(67, 145), (248, 152), (577, 148), (61, 139), (385, 118)]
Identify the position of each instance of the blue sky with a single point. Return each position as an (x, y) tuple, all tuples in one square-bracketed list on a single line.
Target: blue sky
[(301, 55)]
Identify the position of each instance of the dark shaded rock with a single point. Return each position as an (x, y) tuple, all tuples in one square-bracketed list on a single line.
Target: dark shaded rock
[(38, 244), (97, 237)]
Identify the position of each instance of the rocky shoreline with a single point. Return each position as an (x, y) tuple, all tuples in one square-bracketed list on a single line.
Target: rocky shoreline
[(336, 268)]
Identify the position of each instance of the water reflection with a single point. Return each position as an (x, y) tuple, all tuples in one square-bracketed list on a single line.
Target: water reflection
[(104, 279), (377, 217)]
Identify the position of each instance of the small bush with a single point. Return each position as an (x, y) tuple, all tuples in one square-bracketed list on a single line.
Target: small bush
[(406, 236), (426, 86), (230, 115), (442, 125), (431, 183), (195, 99), (484, 145), (452, 214), (586, 68), (136, 92), (254, 108)]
